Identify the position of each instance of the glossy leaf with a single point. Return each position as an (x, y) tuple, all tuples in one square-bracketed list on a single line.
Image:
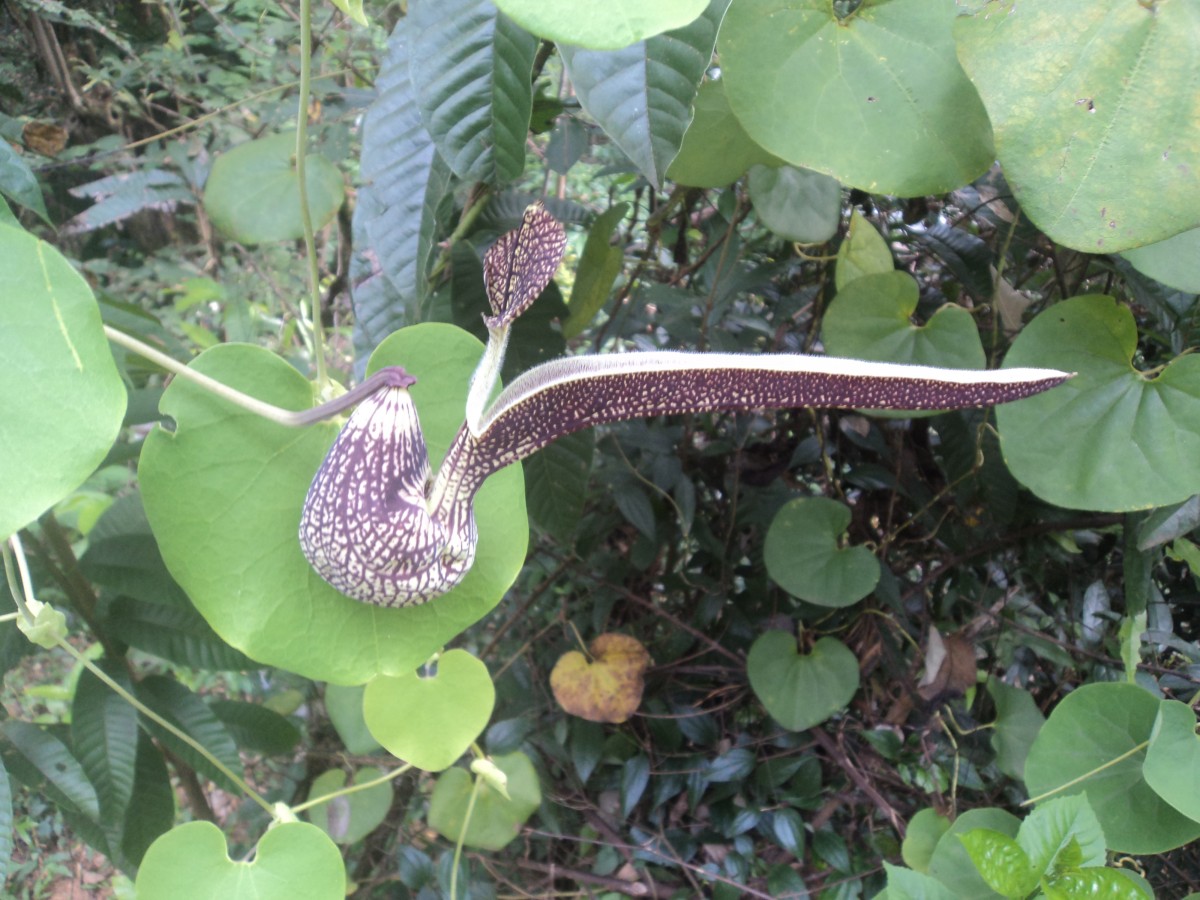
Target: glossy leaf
[(349, 818), (187, 712), (602, 26), (431, 721), (716, 149), (1101, 148), (1062, 831), (292, 860), (1172, 766), (876, 99), (796, 204), (470, 67), (1095, 883), (800, 691), (1001, 861), (1094, 734), (61, 398), (228, 532), (663, 71), (253, 192), (556, 479), (951, 864), (495, 820), (635, 775), (395, 221), (43, 763), (1111, 438), (803, 556)]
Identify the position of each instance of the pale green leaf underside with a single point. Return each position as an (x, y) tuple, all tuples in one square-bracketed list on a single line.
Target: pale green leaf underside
[(1175, 262), (796, 204), (878, 100), (1097, 138)]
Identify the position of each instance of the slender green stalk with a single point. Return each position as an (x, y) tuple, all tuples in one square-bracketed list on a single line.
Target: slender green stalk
[(310, 247), (277, 414), (352, 789), (458, 845), (1086, 775)]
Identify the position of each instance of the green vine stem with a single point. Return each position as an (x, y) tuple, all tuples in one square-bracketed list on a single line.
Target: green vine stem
[(277, 414), (352, 789), (23, 592), (310, 247), (1086, 775)]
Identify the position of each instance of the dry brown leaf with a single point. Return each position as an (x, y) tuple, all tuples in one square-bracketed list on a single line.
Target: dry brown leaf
[(949, 667), (606, 688)]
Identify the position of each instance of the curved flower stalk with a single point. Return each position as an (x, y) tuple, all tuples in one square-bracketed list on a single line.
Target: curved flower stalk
[(380, 527)]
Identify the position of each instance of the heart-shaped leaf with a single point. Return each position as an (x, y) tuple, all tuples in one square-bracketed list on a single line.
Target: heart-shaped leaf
[(1018, 721), (1098, 147), (797, 204), (876, 99), (803, 557), (431, 721), (607, 687), (224, 493), (345, 708), (495, 819), (292, 860), (1172, 766), (871, 318), (351, 817), (1091, 743), (1111, 438), (253, 193), (601, 26), (863, 252), (800, 691), (924, 831), (61, 398)]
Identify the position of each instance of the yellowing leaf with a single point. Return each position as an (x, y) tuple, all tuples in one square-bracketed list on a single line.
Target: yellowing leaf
[(607, 688)]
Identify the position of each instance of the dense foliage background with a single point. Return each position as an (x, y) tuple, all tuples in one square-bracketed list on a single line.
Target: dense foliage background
[(856, 624)]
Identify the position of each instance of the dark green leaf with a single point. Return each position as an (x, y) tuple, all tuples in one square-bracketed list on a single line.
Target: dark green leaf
[(18, 183), (733, 765), (177, 633), (256, 728), (43, 763), (556, 480), (788, 829), (635, 775), (598, 269), (587, 746), (190, 714), (664, 71), (104, 731), (470, 67), (6, 820), (602, 26), (151, 810)]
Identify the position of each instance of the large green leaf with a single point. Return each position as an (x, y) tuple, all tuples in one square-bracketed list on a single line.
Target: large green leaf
[(802, 554), (293, 859), (1112, 437), (1097, 135), (1018, 721), (1172, 766), (602, 26), (871, 318), (1093, 742), (61, 399), (951, 864), (350, 817), (801, 690), (44, 764), (152, 808), (662, 73), (395, 221), (877, 99), (716, 149), (224, 494), (556, 479), (470, 67), (253, 193), (255, 727)]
